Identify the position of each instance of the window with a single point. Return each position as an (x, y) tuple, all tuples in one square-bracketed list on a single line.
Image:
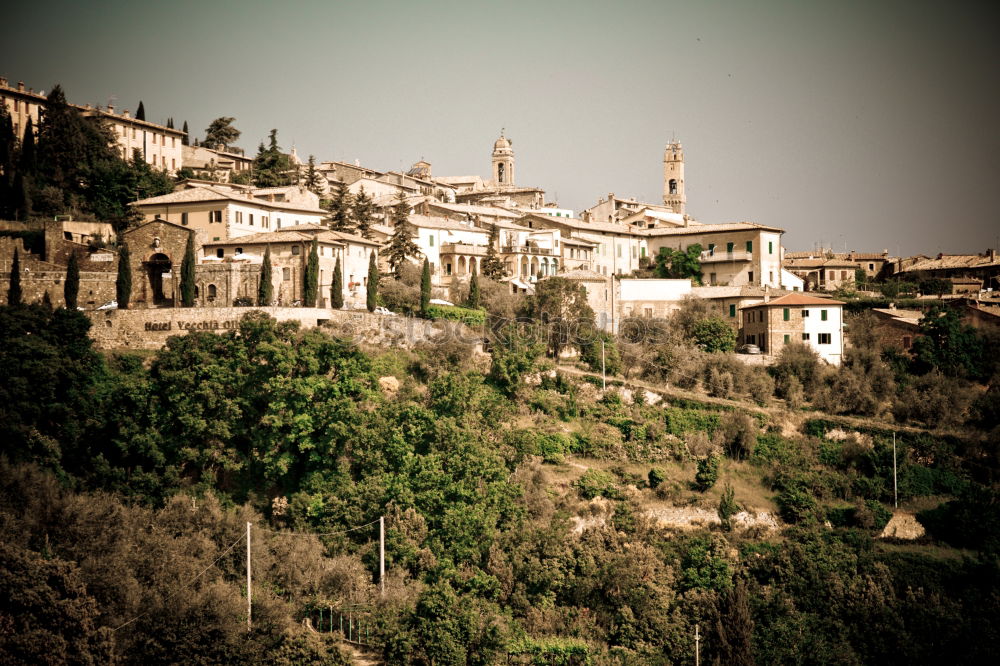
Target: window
[(822, 315), (239, 250), (750, 276), (729, 247), (220, 252), (239, 217), (805, 337), (642, 252), (732, 309), (184, 219), (648, 313), (633, 251), (673, 186), (907, 342), (619, 250), (871, 267), (711, 249), (173, 164), (786, 314), (447, 269), (251, 219), (770, 277), (295, 250), (215, 216), (749, 246), (770, 247), (843, 275), (788, 338), (805, 313), (173, 142), (824, 338), (286, 274), (212, 292), (431, 241), (264, 222), (711, 278)]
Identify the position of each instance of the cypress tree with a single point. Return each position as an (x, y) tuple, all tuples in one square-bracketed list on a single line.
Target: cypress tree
[(337, 290), (14, 292), (474, 290), (140, 113), (71, 289), (186, 141), (265, 290), (425, 288), (123, 285), (170, 123), (372, 282), (187, 274), (310, 285), (340, 209), (492, 268), (26, 162), (362, 212)]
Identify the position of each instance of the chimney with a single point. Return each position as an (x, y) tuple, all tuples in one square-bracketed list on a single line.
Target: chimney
[(3, 81), (125, 114), (20, 86), (993, 255), (111, 109)]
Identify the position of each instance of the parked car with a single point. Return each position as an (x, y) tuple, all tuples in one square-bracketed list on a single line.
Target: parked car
[(110, 305), (748, 349)]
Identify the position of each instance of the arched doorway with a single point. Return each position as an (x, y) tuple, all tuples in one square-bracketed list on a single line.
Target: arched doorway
[(156, 267)]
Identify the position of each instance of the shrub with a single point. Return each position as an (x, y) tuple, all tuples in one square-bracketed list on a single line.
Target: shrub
[(456, 313), (708, 473), (656, 476), (737, 434), (727, 507), (801, 362), (595, 482)]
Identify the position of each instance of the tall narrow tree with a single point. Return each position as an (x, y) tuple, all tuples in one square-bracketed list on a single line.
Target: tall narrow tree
[(362, 212), (401, 244), (425, 288), (140, 112), (340, 209), (71, 288), (372, 301), (265, 290), (310, 285), (337, 289), (186, 139), (187, 273), (474, 296), (491, 266), (313, 180), (170, 123), (123, 284), (14, 292)]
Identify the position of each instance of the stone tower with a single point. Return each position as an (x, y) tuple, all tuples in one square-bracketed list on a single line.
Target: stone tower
[(673, 177), (503, 162)]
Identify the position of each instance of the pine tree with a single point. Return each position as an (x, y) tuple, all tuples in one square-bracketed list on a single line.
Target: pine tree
[(26, 160), (372, 282), (310, 283), (140, 113), (340, 209), (491, 265), (271, 167), (337, 290), (265, 290), (187, 274), (474, 296), (425, 288), (71, 288), (8, 150), (186, 141), (313, 180), (14, 292), (362, 213), (401, 244), (220, 134), (123, 285)]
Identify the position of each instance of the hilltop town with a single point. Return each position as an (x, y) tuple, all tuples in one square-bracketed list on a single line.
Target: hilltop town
[(270, 410)]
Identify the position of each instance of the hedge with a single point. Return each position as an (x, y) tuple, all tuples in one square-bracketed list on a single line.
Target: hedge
[(467, 316)]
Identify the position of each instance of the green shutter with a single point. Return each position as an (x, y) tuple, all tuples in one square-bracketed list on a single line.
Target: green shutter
[(787, 339), (732, 310), (822, 315), (729, 247), (787, 314), (770, 247), (749, 246)]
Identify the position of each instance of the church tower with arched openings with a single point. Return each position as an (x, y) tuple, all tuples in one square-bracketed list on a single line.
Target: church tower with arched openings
[(503, 162), (673, 177)]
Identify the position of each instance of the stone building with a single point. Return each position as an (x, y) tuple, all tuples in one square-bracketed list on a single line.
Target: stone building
[(21, 104), (160, 146), (673, 177), (216, 165), (823, 273), (816, 322)]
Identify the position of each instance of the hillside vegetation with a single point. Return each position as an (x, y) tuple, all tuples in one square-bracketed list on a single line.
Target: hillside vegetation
[(531, 517)]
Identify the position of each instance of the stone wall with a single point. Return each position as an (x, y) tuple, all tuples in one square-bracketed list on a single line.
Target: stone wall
[(150, 328)]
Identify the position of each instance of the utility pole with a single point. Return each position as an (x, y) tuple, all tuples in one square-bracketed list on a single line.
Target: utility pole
[(697, 646), (895, 493), (604, 376), (249, 594), (381, 555)]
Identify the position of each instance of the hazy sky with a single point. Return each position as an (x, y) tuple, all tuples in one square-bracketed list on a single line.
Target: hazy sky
[(864, 125)]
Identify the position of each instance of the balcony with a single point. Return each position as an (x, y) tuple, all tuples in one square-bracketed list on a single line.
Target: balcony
[(463, 248), (524, 249), (736, 255)]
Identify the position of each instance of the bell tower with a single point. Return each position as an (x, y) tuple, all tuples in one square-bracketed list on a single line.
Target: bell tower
[(503, 162), (673, 177)]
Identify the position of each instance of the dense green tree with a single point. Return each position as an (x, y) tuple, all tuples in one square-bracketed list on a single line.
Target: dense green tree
[(714, 334), (112, 185), (220, 134), (337, 288), (514, 353), (71, 288), (372, 287), (123, 283), (265, 289), (590, 343), (186, 139), (340, 209), (491, 265), (401, 245), (679, 264), (561, 309), (140, 111), (170, 123), (313, 179), (310, 279), (187, 273), (949, 345), (362, 213), (271, 167), (425, 288), (14, 293), (26, 162), (474, 295)]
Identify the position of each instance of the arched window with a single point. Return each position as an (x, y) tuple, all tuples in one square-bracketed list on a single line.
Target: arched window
[(673, 186), (500, 172), (212, 292)]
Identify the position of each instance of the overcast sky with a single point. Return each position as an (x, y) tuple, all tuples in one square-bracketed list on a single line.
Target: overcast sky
[(858, 125)]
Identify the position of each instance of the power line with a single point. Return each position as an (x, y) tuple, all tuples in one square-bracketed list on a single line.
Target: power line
[(203, 572), (318, 534)]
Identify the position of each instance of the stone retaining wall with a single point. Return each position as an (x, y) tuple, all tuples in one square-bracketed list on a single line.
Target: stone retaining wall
[(150, 328)]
